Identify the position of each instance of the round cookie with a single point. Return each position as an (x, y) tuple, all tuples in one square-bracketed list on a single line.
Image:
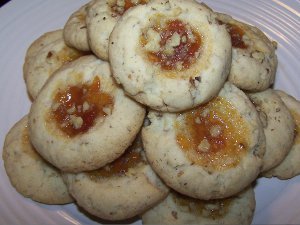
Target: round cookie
[(210, 152), (45, 55), (289, 167), (81, 120), (278, 126), (176, 56), (75, 30), (180, 209), (28, 172), (254, 61), (121, 190), (101, 19)]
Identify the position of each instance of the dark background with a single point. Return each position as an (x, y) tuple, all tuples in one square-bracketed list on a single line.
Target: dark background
[(2, 2)]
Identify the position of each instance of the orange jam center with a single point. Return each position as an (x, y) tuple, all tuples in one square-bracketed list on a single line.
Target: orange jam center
[(120, 7), (120, 166), (179, 45), (66, 55), (76, 108), (236, 34), (213, 209), (296, 117), (213, 135)]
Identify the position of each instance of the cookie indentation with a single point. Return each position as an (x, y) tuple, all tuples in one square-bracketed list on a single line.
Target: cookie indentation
[(171, 44), (213, 135), (76, 108), (130, 159), (213, 209)]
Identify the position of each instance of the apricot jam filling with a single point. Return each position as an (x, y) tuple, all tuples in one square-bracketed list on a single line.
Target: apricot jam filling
[(119, 7), (213, 209), (236, 33), (296, 117), (130, 159), (171, 44), (65, 55), (76, 108), (214, 135)]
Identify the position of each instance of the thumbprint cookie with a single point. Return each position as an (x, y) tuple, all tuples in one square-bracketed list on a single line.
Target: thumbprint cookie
[(75, 30), (81, 120), (170, 55), (289, 167), (120, 190), (101, 18), (278, 125), (28, 172), (47, 54), (254, 61), (212, 151), (181, 209)]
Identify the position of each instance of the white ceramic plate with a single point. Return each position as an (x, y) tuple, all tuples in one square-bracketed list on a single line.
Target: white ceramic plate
[(21, 22)]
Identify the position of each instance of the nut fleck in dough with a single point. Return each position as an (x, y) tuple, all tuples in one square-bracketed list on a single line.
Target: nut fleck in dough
[(28, 172), (289, 167), (101, 18), (254, 61), (75, 30), (170, 55), (121, 190), (278, 126), (46, 55), (186, 153), (81, 120), (180, 209)]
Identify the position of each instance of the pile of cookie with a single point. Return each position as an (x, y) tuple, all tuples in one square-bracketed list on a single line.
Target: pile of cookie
[(154, 108)]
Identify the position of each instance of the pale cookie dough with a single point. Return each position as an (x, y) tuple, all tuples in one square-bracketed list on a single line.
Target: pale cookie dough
[(170, 55), (81, 120), (75, 30), (121, 190), (180, 209), (290, 166), (278, 126), (212, 151), (46, 55), (254, 61), (101, 18), (28, 172)]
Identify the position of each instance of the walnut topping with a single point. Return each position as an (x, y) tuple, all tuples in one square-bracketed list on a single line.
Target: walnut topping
[(215, 131), (71, 110), (85, 106), (171, 44), (76, 121), (204, 146), (197, 120), (153, 44)]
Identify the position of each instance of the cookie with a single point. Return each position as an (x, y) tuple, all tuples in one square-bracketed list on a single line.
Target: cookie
[(81, 120), (278, 126), (28, 172), (101, 18), (47, 54), (75, 30), (170, 55), (289, 167), (180, 209), (213, 151), (121, 190), (254, 61)]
